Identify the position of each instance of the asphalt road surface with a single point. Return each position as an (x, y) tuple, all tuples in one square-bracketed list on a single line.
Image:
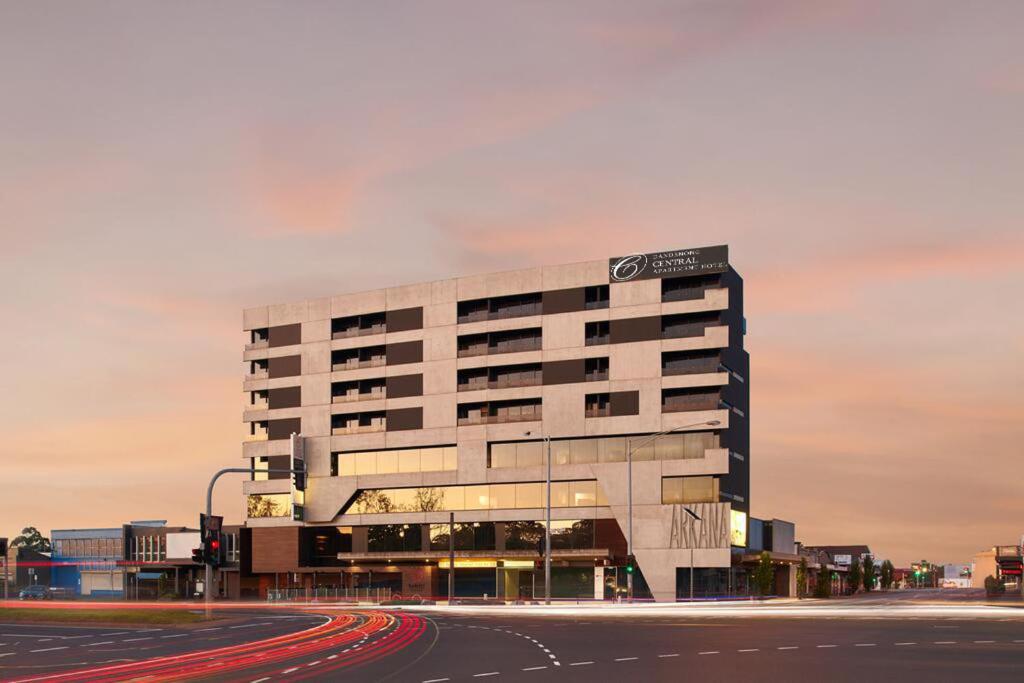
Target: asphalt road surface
[(867, 639)]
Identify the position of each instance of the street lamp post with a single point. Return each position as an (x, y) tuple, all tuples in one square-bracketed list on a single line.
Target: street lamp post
[(629, 494), (547, 525)]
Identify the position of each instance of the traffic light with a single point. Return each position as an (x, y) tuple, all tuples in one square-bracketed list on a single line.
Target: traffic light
[(197, 556), (210, 528), (630, 564), (299, 474)]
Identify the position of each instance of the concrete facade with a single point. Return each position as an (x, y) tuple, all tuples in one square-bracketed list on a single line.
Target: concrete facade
[(598, 356)]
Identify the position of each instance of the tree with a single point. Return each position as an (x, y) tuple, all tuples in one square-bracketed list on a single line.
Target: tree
[(801, 578), (994, 587), (823, 584), (853, 575), (764, 574), (886, 575), (31, 539), (869, 573)]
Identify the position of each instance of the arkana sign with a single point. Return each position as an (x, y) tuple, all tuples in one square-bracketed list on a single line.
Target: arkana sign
[(669, 263)]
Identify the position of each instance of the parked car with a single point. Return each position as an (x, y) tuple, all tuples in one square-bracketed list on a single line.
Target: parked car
[(35, 593)]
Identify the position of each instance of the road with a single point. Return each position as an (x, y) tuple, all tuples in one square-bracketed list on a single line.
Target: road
[(850, 640)]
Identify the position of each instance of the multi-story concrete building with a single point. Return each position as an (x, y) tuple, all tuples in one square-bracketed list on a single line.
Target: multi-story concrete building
[(418, 401)]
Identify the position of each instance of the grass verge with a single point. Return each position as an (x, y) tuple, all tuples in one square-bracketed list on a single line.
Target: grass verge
[(71, 615)]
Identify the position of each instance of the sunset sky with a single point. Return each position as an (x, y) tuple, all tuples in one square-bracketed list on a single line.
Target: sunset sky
[(159, 162)]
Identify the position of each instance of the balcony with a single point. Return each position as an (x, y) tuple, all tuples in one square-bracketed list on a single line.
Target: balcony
[(256, 345), (262, 374), (358, 429), (470, 420), (686, 400), (359, 332), (358, 396), (375, 362)]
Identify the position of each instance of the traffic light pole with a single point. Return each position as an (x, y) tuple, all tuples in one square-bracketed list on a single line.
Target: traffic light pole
[(208, 577)]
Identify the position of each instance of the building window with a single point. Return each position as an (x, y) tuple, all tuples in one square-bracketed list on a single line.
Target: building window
[(396, 460), (499, 307), (596, 333), (257, 431), (354, 359), (584, 451), (358, 390), (564, 494), (690, 398), (358, 423), (596, 297), (676, 490), (596, 369), (268, 505), (597, 405), (688, 288), (468, 536), (507, 341), (498, 412), (689, 324), (358, 325), (383, 538), (690, 362)]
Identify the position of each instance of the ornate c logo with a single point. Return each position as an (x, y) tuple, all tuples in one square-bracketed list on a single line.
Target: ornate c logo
[(628, 267)]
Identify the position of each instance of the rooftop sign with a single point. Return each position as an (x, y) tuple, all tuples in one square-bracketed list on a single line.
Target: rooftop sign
[(669, 264)]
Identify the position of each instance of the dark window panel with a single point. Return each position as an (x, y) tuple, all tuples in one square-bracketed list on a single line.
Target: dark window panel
[(404, 352), (635, 330), (400, 419), (282, 429), (405, 319), (400, 386), (284, 366), (624, 403), (285, 335), (564, 300), (565, 371), (284, 397), (596, 332), (690, 398)]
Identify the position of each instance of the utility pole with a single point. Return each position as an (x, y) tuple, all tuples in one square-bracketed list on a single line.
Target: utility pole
[(451, 557), (547, 533), (3, 553), (208, 576)]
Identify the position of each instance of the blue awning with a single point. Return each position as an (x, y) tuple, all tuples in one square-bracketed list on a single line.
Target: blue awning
[(150, 575)]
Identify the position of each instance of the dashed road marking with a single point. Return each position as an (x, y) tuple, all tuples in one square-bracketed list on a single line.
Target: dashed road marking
[(534, 668), (984, 641), (788, 647), (709, 652), (580, 663), (291, 670), (102, 642), (50, 649), (674, 654), (904, 643), (489, 673), (133, 640), (945, 642), (864, 645), (749, 649), (437, 680), (626, 659), (823, 646)]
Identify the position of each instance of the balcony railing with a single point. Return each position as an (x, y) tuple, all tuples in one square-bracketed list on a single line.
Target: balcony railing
[(262, 374), (260, 436), (536, 414), (253, 346), (258, 405), (681, 405), (358, 396), (358, 364), (358, 429), (359, 332), (598, 412)]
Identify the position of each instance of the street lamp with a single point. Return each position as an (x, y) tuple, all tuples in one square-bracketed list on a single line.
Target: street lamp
[(547, 525), (629, 493)]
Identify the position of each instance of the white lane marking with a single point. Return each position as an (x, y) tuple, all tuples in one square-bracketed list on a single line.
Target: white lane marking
[(102, 642), (314, 663), (749, 649), (864, 645), (214, 628), (260, 680), (7, 654), (580, 663), (489, 673), (132, 640), (177, 635), (437, 680), (708, 652), (625, 659), (826, 646), (534, 668), (332, 656), (984, 641), (904, 643), (674, 654), (1019, 641), (789, 647), (291, 670), (945, 642), (50, 649), (117, 633)]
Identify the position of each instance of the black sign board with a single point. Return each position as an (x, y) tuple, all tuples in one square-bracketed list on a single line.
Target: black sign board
[(669, 264)]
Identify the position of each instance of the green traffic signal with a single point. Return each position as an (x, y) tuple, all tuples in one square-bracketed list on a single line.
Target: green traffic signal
[(629, 569)]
